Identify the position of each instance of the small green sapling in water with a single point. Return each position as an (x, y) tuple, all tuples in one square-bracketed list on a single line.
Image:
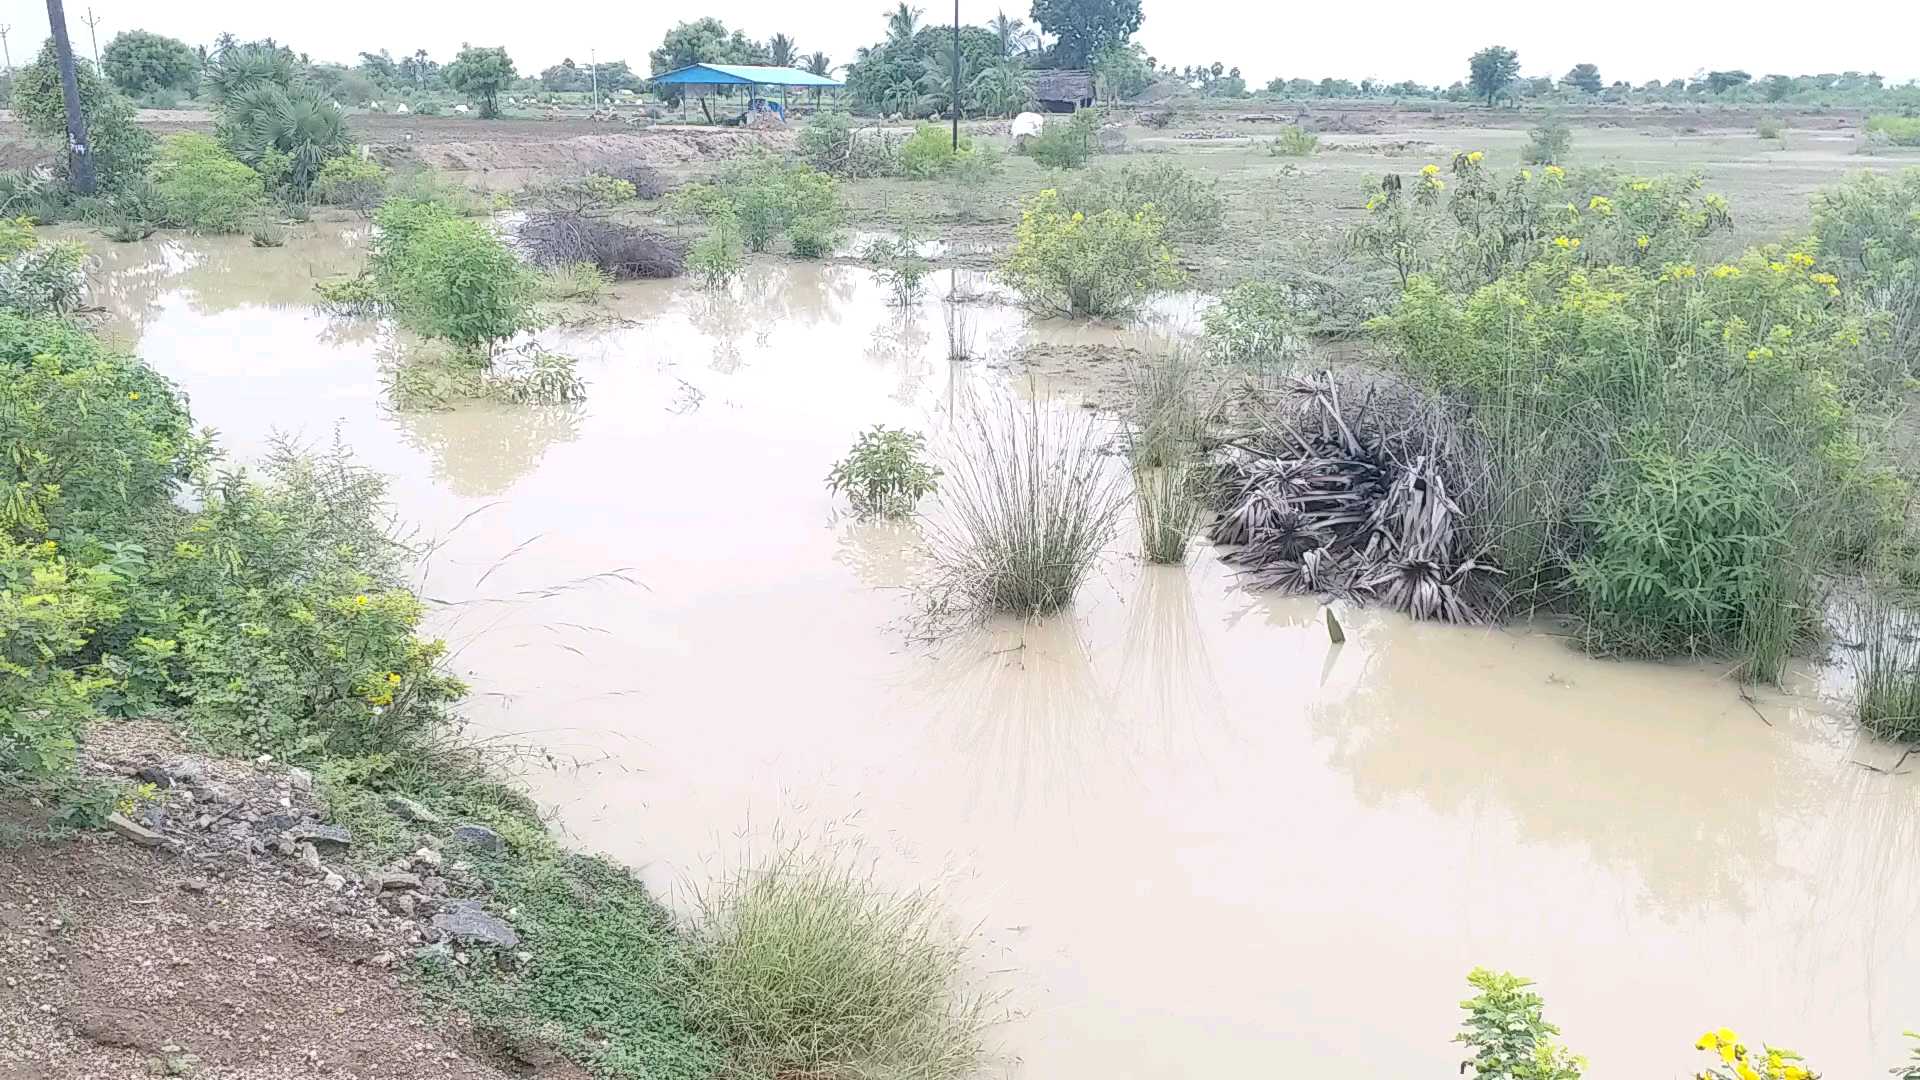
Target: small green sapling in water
[(885, 473)]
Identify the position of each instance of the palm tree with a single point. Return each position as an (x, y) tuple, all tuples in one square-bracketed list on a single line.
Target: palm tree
[(781, 50), (902, 23), (1013, 34), (819, 64), (1003, 89)]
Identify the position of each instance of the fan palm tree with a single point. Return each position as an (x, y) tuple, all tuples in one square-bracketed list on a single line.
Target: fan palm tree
[(782, 51), (902, 23), (300, 129), (243, 67), (1013, 34)]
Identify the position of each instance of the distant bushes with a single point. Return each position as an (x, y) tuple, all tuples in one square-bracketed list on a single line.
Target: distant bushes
[(832, 144), (1897, 130), (1074, 264)]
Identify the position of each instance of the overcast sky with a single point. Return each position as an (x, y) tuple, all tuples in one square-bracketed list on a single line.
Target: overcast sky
[(1385, 39)]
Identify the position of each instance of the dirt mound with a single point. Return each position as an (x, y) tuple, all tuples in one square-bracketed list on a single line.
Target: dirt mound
[(656, 148), (189, 944)]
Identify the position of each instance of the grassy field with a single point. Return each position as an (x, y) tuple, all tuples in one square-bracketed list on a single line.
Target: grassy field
[(1275, 203)]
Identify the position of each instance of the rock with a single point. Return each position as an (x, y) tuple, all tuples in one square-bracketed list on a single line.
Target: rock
[(404, 904), (383, 960), (469, 923), (1334, 633), (412, 811), (479, 837), (393, 880), (155, 775), (285, 848), (116, 1026), (263, 759), (438, 952), (427, 857), (302, 779), (195, 885), (321, 834), (187, 771), (134, 831), (278, 823), (435, 885), (334, 882)]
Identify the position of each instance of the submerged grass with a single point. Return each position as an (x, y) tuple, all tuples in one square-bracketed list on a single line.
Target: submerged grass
[(1886, 664), (1168, 501), (1028, 504)]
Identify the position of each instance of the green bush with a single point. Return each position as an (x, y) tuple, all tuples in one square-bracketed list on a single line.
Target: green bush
[(1507, 1031), (37, 278), (1101, 265), (454, 279), (1689, 555), (1294, 141), (1065, 145), (1769, 128), (1898, 130), (349, 181), (764, 197), (1254, 322), (930, 152), (121, 148), (717, 258), (202, 187), (1548, 143), (812, 237), (93, 443), (140, 62), (885, 473), (1190, 207), (1591, 385), (50, 611), (297, 631), (897, 262), (1868, 229)]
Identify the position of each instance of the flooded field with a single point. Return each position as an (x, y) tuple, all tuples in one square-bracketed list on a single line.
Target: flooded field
[(1197, 839)]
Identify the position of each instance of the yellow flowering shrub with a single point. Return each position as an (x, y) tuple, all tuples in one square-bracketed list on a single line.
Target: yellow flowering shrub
[(1734, 1061), (1076, 264)]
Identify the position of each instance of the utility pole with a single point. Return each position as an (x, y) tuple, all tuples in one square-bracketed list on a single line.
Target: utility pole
[(593, 69), (79, 154), (956, 76), (92, 21), (4, 49)]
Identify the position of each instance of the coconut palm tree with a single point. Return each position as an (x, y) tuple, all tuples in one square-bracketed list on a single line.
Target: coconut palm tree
[(782, 50), (819, 64), (902, 23), (1014, 34), (1003, 89)]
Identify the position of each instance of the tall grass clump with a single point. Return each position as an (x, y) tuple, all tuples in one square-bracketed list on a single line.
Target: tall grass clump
[(1065, 144), (805, 966), (1173, 396), (1075, 264), (1168, 501), (1885, 621), (1028, 503), (1870, 242), (1769, 128)]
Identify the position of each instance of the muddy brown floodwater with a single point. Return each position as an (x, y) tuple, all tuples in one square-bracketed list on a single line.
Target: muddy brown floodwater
[(1197, 839)]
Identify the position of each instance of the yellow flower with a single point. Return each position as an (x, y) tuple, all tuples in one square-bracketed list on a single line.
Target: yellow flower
[(1800, 258), (1600, 203), (1373, 202), (1078, 217), (1474, 158), (1556, 172), (1643, 241), (361, 600), (1431, 170), (1527, 175), (1726, 271), (1745, 1072), (393, 678), (1823, 279), (1566, 242), (1639, 185), (133, 395)]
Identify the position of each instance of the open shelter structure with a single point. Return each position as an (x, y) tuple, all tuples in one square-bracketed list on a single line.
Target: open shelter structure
[(697, 80)]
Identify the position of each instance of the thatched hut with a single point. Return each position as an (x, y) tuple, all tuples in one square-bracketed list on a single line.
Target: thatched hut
[(1063, 90)]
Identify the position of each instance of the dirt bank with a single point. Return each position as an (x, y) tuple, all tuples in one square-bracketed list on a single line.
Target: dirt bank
[(212, 943)]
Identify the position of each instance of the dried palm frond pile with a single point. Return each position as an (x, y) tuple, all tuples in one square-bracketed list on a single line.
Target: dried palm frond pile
[(1353, 487)]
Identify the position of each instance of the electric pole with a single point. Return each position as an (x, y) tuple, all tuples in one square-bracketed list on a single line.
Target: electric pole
[(92, 21), (593, 69), (956, 76), (4, 49), (79, 155)]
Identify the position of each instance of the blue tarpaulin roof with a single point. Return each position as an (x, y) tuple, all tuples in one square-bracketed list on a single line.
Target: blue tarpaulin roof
[(742, 75)]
